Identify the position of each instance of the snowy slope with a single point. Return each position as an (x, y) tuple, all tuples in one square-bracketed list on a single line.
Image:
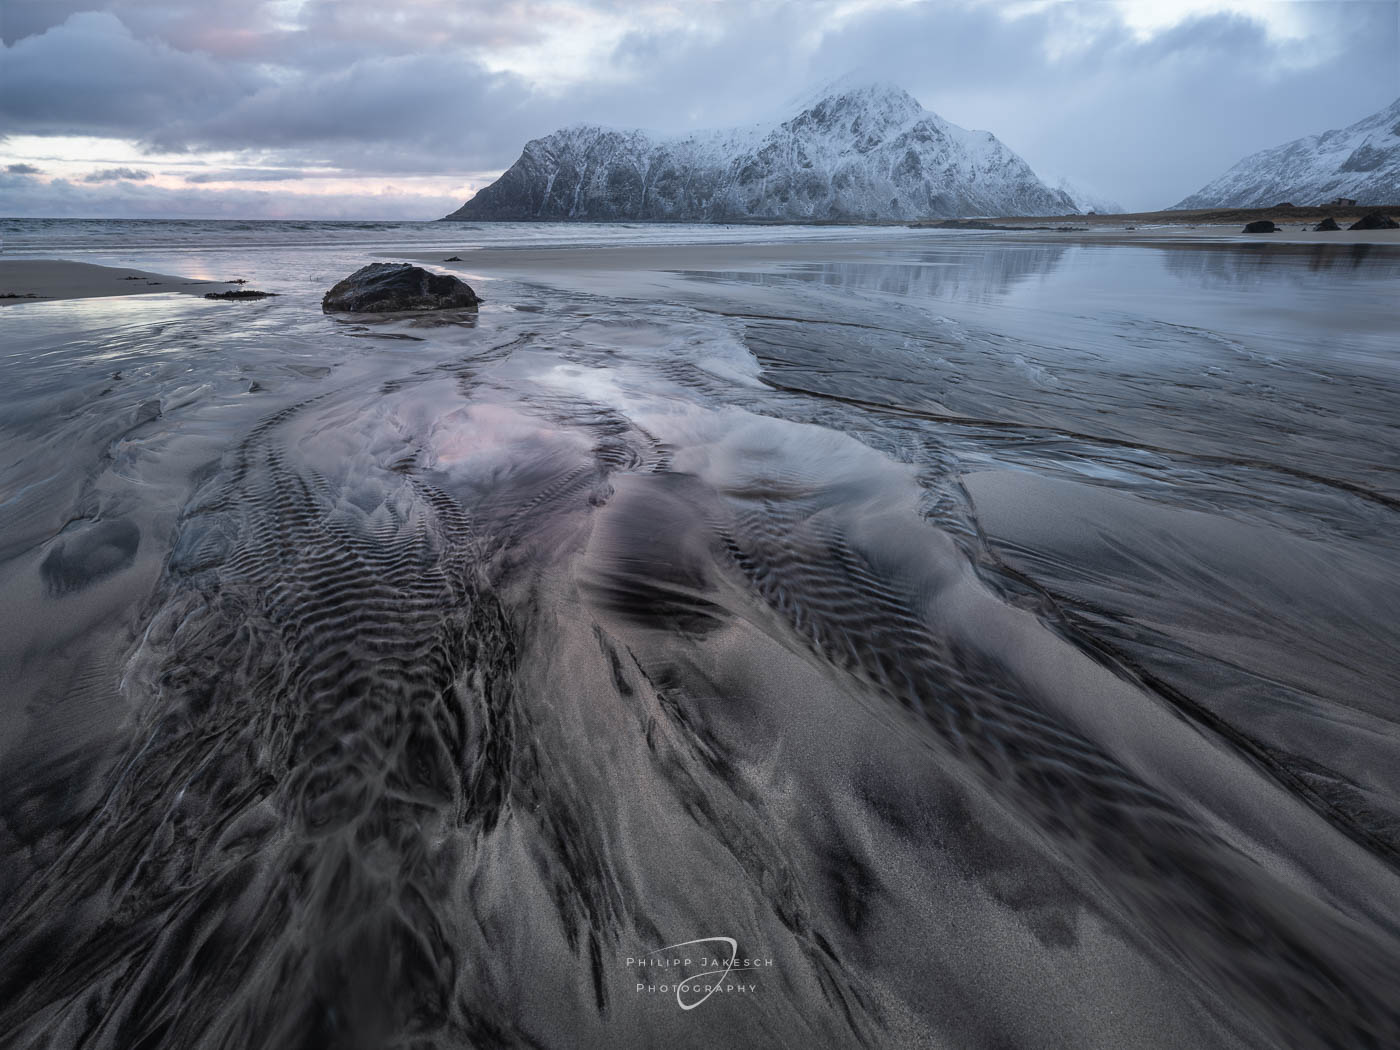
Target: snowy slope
[(1361, 161), (863, 152), (1086, 199)]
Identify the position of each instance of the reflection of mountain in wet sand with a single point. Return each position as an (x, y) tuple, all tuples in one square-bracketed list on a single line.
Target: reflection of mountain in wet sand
[(982, 274), (1248, 266)]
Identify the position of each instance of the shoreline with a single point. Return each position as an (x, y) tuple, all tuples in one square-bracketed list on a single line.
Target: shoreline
[(60, 280), (36, 280), (1344, 215), (743, 256)]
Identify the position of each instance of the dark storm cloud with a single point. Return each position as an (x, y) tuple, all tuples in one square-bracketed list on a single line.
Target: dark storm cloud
[(115, 174), (92, 76), (423, 87), (435, 105), (344, 86), (24, 18)]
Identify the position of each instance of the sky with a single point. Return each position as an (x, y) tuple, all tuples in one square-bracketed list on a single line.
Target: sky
[(402, 109)]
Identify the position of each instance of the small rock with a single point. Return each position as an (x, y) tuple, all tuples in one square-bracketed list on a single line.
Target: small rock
[(239, 295), (1260, 226), (1375, 221), (453, 258), (1328, 224), (394, 287)]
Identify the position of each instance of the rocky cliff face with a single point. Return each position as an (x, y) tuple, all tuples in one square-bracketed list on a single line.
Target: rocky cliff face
[(868, 152), (1361, 161)]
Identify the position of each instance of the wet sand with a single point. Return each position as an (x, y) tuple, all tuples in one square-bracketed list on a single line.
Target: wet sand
[(1300, 233), (28, 280), (994, 635), (34, 280), (853, 249)]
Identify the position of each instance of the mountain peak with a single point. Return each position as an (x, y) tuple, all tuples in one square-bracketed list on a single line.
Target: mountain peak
[(861, 115), (856, 149), (857, 88)]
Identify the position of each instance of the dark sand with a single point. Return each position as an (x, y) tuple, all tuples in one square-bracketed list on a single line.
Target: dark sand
[(30, 280), (994, 635)]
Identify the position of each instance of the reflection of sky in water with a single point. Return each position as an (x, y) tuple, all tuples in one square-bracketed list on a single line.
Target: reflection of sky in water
[(1313, 298)]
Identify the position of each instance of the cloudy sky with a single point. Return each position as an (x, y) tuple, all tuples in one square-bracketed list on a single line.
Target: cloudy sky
[(403, 108)]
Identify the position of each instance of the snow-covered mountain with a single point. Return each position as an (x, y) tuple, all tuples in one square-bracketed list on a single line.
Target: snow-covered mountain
[(861, 152), (1085, 198), (1361, 161)]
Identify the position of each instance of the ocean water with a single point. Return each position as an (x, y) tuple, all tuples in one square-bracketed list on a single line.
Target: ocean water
[(183, 235), (795, 637)]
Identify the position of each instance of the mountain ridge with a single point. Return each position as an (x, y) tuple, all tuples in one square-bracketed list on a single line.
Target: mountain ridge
[(1360, 161), (865, 152)]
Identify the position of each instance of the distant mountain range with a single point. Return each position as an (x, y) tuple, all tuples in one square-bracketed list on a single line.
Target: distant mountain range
[(1085, 198), (1361, 161), (867, 151)]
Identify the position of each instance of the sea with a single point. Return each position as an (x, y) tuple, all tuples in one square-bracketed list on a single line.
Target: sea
[(748, 635)]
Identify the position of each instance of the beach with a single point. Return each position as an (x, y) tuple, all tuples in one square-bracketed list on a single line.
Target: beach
[(23, 280), (28, 279), (992, 633)]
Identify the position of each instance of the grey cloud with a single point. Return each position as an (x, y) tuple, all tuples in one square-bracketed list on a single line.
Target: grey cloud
[(366, 87), (115, 174), (91, 76), (410, 114), (249, 175), (22, 169), (30, 17), (376, 99), (29, 197)]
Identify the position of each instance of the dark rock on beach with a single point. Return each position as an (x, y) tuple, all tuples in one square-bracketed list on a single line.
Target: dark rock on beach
[(1375, 221), (395, 287), (1260, 226), (1327, 225), (239, 295)]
